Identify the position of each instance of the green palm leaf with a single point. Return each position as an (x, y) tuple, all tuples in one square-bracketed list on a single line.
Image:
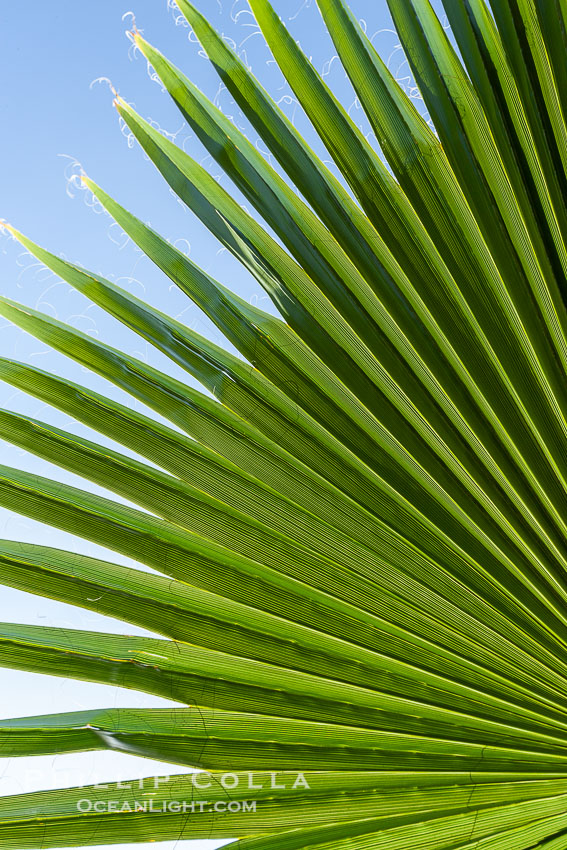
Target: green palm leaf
[(352, 544)]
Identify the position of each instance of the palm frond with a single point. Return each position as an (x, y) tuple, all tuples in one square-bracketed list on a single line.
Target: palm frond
[(357, 530)]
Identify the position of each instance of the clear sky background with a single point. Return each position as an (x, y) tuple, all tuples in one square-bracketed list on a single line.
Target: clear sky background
[(55, 116)]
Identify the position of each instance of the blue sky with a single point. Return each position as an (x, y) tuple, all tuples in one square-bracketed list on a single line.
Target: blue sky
[(56, 119)]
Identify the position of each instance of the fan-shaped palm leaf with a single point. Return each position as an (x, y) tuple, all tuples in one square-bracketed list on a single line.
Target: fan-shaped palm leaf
[(361, 529)]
